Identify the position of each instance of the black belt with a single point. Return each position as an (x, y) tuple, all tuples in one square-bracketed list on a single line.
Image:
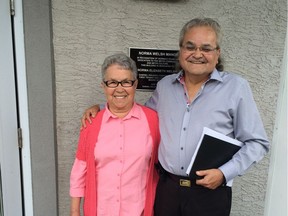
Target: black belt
[(182, 180)]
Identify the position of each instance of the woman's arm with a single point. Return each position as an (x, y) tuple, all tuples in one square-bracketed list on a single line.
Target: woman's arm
[(75, 206)]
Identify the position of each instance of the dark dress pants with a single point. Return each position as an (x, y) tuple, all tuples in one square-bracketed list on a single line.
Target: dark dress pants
[(175, 200)]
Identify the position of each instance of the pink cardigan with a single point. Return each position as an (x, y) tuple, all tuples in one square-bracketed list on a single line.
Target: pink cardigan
[(85, 152)]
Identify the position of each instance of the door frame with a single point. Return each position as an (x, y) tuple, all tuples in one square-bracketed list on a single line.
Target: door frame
[(23, 116), (15, 162), (9, 151)]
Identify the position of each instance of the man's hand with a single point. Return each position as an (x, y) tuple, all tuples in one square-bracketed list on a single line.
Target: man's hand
[(90, 112), (213, 178)]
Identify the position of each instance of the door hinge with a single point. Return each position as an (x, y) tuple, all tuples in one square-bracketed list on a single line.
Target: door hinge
[(12, 7), (20, 140)]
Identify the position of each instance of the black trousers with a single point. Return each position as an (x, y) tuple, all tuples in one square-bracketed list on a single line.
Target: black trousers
[(175, 200)]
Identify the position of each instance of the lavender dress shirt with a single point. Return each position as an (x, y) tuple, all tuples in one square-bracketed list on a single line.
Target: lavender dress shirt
[(225, 104)]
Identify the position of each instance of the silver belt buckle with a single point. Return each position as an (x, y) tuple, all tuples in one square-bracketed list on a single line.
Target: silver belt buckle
[(185, 183)]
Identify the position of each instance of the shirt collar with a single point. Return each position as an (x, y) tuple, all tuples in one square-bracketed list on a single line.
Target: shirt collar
[(215, 75), (135, 112)]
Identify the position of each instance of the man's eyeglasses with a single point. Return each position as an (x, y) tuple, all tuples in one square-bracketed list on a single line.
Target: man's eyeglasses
[(114, 83), (204, 48)]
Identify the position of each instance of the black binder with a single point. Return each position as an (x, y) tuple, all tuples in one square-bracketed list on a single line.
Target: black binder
[(213, 150)]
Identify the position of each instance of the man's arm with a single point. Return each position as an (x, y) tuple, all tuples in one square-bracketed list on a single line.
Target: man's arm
[(249, 129), (90, 112)]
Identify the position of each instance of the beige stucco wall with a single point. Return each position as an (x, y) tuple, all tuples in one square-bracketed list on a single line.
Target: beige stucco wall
[(85, 32)]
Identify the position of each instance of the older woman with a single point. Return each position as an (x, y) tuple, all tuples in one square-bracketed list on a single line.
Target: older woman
[(114, 167)]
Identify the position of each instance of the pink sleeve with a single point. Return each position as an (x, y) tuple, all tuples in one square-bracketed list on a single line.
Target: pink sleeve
[(77, 178)]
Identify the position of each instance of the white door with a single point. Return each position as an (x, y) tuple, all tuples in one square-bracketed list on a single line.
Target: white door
[(10, 193)]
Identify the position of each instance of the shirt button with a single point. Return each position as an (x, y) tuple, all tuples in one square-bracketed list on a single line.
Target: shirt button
[(182, 168), (184, 129), (182, 148)]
